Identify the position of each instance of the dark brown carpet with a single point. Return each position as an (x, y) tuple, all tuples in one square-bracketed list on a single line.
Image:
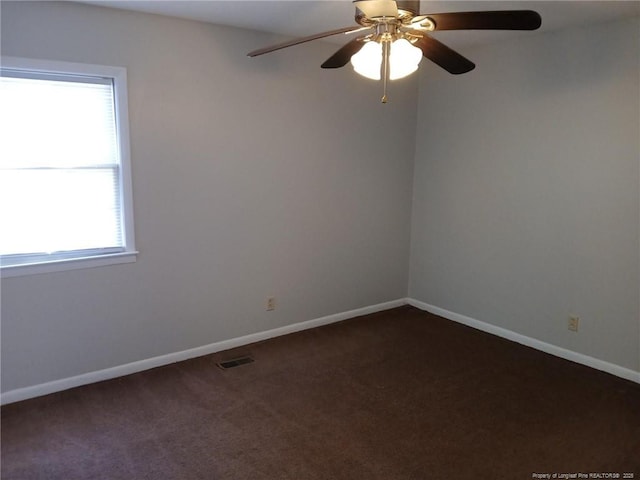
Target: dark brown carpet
[(400, 394)]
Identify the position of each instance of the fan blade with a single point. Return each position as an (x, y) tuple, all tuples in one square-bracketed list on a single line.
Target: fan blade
[(342, 56), (496, 20), (443, 56), (377, 8), (273, 48)]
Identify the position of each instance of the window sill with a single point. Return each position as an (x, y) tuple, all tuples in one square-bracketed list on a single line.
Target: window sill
[(67, 264)]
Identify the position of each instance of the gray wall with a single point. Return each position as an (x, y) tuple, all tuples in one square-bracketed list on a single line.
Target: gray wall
[(526, 205), (251, 178)]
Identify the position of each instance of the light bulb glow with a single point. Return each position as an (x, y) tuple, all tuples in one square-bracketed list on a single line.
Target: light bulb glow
[(368, 60), (403, 59)]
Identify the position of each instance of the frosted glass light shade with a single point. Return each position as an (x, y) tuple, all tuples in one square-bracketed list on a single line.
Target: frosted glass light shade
[(403, 59), (367, 60)]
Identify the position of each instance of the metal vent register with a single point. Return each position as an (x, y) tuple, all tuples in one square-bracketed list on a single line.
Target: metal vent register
[(235, 362)]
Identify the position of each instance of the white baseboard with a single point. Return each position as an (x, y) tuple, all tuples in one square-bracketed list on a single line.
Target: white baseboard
[(139, 366), (121, 370), (611, 368)]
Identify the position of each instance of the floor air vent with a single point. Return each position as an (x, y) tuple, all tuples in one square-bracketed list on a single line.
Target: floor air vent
[(236, 362)]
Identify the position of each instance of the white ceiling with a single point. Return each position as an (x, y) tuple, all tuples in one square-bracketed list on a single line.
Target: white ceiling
[(298, 18)]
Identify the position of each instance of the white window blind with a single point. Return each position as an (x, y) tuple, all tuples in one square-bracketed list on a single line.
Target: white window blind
[(61, 188)]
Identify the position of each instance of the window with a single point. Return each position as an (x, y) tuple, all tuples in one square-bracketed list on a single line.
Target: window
[(65, 187)]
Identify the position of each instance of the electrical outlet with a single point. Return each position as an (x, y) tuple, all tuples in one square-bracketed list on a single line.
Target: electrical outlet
[(271, 303), (574, 322)]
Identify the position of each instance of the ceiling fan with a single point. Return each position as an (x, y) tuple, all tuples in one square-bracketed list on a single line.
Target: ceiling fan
[(393, 37)]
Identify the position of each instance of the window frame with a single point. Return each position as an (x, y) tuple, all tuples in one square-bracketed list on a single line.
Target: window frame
[(68, 261)]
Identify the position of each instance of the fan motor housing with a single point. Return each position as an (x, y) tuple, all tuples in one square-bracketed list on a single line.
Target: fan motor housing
[(407, 9)]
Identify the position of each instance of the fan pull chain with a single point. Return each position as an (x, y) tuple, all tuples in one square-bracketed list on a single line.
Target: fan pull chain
[(386, 50)]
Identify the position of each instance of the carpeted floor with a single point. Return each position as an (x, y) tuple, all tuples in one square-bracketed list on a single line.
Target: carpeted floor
[(400, 394)]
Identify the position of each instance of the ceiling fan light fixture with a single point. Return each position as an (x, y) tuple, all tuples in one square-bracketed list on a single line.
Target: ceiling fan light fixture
[(398, 37), (403, 59)]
